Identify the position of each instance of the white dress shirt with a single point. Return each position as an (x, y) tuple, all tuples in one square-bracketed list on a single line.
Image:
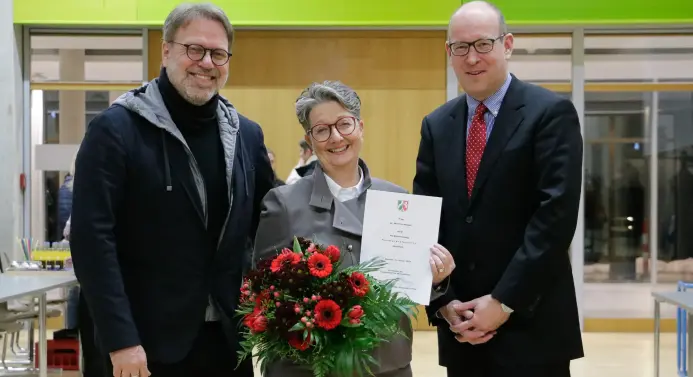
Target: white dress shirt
[(343, 194)]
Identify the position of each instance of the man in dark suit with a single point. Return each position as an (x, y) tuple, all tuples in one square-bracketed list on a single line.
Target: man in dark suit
[(506, 158), (172, 178)]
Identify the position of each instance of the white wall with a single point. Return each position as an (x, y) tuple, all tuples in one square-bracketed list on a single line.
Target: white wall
[(11, 120)]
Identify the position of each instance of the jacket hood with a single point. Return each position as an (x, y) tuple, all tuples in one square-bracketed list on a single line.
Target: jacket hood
[(148, 103)]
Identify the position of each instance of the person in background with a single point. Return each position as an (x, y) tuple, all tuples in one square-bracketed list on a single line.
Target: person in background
[(65, 199), (506, 157), (306, 163), (64, 214), (78, 316), (277, 181), (171, 178)]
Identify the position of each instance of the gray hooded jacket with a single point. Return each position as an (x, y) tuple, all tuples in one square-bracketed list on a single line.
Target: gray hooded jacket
[(150, 105)]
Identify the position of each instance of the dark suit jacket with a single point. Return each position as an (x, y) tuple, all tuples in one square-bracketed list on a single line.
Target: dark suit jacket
[(512, 238), (307, 208), (142, 254)]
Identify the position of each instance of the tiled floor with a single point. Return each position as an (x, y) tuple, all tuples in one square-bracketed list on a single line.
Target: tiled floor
[(607, 355)]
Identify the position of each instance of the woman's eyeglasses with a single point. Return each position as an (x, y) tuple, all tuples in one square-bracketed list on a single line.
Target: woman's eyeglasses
[(322, 132)]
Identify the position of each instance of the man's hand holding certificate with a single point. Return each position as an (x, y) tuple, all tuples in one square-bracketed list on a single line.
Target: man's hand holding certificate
[(401, 229)]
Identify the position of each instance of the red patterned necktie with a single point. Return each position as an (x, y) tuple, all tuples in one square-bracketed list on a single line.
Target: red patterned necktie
[(476, 142)]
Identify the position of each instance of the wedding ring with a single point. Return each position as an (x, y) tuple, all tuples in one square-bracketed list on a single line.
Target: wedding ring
[(441, 270)]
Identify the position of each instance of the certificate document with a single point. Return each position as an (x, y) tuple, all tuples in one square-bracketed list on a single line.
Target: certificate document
[(400, 229)]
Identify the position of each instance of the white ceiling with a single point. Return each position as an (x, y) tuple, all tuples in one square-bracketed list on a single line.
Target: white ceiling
[(606, 42), (135, 42), (87, 42), (664, 66)]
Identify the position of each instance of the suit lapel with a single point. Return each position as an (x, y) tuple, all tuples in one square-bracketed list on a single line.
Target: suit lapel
[(457, 148), (345, 220), (509, 118)]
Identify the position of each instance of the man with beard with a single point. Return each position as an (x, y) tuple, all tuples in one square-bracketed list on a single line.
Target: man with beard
[(172, 179)]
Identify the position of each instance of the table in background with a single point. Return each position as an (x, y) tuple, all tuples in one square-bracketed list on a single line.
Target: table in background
[(683, 300), (19, 285)]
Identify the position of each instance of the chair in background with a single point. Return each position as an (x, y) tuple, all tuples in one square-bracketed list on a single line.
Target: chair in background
[(12, 322)]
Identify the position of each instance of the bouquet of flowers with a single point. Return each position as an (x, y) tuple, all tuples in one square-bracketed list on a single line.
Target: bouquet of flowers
[(300, 306)]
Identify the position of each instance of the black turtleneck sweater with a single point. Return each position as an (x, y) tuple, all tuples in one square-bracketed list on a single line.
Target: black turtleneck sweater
[(200, 128)]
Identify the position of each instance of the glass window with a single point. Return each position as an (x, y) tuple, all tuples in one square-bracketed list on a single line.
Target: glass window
[(627, 79), (638, 58), (675, 181), (616, 186), (59, 120), (94, 102), (86, 58), (542, 58), (616, 204)]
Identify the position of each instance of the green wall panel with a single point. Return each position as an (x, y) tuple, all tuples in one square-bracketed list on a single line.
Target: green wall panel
[(76, 12), (354, 12), (532, 12), (242, 12)]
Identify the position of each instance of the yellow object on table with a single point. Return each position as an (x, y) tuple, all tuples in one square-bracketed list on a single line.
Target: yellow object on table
[(51, 255), (52, 259)]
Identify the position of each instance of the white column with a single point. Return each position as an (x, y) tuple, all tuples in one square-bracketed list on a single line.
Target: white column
[(577, 247), (71, 125), (452, 86), (653, 225), (72, 103), (11, 121), (112, 96)]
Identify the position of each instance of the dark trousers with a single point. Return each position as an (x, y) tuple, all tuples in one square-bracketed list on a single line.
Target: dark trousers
[(210, 356), (92, 360), (494, 370)]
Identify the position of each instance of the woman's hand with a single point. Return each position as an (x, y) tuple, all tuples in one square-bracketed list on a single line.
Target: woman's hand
[(441, 262)]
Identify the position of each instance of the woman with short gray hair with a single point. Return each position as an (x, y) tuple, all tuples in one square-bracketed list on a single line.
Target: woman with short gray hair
[(328, 205)]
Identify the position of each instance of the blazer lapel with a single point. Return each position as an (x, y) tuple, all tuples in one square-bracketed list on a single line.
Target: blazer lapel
[(344, 219), (457, 148), (509, 119)]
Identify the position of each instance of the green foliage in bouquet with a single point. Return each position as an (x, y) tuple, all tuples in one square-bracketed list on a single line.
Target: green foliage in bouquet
[(302, 307)]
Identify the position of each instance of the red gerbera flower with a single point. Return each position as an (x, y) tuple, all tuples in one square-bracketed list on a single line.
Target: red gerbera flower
[(287, 257), (328, 314), (296, 340), (359, 283), (333, 253), (319, 265), (259, 324)]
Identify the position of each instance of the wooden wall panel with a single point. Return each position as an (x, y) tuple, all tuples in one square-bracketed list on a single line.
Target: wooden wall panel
[(399, 76), (154, 38)]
